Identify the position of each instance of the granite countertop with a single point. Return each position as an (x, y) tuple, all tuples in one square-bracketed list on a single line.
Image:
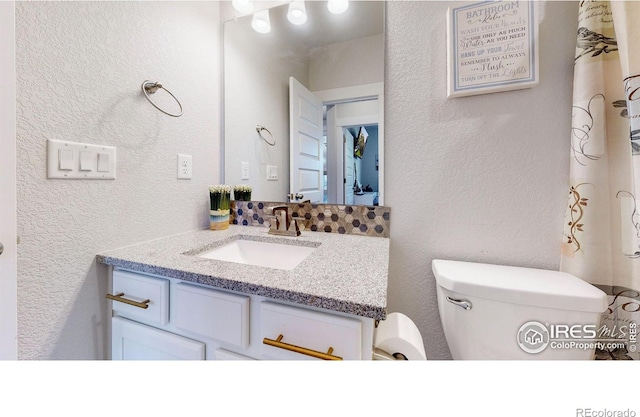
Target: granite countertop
[(345, 273)]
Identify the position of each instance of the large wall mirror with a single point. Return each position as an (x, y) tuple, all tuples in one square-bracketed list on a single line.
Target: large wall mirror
[(304, 104)]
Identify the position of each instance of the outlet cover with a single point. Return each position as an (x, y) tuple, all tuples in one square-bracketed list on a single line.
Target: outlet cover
[(185, 167), (245, 170)]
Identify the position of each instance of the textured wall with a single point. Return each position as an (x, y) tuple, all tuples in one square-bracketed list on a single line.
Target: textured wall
[(487, 173), (344, 64), (80, 67)]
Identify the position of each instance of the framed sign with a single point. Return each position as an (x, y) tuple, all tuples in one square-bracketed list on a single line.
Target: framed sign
[(492, 47)]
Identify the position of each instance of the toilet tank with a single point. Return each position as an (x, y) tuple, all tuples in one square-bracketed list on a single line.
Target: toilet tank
[(504, 312)]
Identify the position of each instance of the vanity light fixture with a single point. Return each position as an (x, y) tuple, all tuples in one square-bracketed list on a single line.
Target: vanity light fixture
[(260, 22), (243, 6), (338, 6), (297, 13)]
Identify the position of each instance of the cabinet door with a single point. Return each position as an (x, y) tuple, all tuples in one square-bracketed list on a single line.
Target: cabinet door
[(212, 314), (135, 341)]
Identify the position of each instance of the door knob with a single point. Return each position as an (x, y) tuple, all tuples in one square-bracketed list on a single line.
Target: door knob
[(1, 248)]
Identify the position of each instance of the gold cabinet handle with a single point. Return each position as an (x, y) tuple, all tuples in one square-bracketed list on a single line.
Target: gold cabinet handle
[(120, 297), (305, 351)]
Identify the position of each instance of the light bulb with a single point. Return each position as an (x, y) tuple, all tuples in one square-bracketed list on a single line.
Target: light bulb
[(338, 6), (297, 13), (243, 6), (260, 22)]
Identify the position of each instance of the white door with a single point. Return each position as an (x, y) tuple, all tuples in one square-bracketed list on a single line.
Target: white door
[(335, 165), (8, 231), (305, 125), (349, 167), (373, 97), (131, 340)]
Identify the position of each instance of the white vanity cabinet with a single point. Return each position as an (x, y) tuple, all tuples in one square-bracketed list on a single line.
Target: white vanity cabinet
[(164, 318)]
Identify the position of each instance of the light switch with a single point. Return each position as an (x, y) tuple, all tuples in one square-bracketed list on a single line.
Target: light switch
[(81, 161), (65, 159), (272, 173), (103, 162), (86, 160)]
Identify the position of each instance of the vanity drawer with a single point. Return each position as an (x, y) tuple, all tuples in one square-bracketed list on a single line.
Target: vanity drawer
[(213, 314), (314, 331), (144, 290)]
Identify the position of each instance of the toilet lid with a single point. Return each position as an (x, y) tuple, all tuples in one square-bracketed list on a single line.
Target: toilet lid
[(526, 286)]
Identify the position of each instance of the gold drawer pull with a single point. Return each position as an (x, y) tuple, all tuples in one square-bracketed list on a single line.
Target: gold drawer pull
[(305, 351), (119, 297)]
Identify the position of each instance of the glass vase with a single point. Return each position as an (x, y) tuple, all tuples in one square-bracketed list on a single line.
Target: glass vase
[(220, 209)]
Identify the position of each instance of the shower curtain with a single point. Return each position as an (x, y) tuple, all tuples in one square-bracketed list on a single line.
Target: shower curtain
[(602, 228)]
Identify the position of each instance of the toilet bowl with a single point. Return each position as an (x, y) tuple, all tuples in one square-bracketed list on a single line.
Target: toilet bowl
[(502, 312)]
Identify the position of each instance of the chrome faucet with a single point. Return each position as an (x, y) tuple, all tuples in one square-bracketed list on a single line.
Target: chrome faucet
[(281, 224)]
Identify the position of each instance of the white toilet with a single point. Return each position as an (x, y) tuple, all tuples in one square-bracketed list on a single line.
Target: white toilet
[(502, 312)]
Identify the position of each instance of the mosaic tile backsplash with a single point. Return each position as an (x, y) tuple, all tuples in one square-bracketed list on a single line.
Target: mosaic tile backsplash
[(328, 218)]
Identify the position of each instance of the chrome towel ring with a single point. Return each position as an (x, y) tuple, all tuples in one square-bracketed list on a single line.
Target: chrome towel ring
[(259, 129), (149, 87)]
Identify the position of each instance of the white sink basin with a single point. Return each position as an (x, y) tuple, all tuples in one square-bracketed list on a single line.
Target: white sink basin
[(257, 253)]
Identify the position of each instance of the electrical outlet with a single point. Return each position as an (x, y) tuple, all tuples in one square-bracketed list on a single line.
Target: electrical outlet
[(245, 170), (185, 167)]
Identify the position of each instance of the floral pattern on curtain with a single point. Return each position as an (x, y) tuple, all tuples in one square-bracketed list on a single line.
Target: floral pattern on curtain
[(602, 222)]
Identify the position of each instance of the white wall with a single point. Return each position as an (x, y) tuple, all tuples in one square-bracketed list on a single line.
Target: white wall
[(345, 64), (487, 175), (79, 70), (8, 282)]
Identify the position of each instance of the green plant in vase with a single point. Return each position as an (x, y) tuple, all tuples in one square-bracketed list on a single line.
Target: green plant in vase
[(220, 196), (242, 192)]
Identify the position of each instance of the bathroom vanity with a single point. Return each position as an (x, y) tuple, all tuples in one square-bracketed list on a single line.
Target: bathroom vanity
[(184, 297)]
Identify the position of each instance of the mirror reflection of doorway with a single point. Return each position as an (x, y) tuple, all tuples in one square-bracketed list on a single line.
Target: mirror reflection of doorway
[(342, 162), (360, 165), (353, 153)]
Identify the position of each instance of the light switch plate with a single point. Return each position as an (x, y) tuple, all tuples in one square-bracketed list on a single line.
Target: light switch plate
[(272, 173), (79, 161), (185, 167)]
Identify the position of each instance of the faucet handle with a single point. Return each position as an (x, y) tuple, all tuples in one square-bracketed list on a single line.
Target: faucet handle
[(274, 223), (294, 228), (283, 222)]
